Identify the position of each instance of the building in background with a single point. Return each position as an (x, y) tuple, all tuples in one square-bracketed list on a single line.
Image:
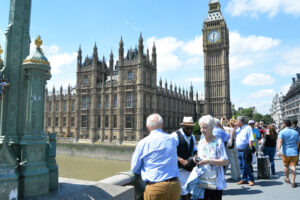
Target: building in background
[(111, 102), (291, 101), (276, 109)]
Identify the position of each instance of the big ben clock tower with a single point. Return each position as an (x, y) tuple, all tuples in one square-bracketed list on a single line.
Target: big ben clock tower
[(216, 63)]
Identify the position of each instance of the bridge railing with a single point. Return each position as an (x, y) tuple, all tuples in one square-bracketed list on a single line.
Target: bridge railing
[(127, 178)]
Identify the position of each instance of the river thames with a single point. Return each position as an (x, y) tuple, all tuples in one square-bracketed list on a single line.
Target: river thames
[(89, 168)]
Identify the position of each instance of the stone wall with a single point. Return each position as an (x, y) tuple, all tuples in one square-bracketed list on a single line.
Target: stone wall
[(102, 151)]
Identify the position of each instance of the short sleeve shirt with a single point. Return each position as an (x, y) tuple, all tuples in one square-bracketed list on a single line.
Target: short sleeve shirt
[(289, 139)]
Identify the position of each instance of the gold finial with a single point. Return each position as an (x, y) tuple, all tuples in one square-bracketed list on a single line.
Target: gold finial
[(1, 51), (38, 42)]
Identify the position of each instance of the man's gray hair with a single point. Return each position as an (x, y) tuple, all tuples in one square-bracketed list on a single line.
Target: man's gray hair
[(154, 121), (208, 120), (217, 122), (241, 119)]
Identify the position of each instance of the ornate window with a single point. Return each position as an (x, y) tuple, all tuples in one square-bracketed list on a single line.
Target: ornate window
[(56, 121), (130, 75), (49, 121), (50, 106), (73, 106), (99, 102), (98, 121), (129, 100), (115, 122), (85, 102), (65, 106), (115, 101), (86, 81), (72, 121), (128, 121), (84, 121), (64, 121), (106, 121), (56, 106), (106, 101)]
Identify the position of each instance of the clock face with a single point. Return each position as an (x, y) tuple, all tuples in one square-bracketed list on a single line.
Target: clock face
[(213, 36)]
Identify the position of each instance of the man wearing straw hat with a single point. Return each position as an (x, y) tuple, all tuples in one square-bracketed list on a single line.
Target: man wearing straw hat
[(186, 149)]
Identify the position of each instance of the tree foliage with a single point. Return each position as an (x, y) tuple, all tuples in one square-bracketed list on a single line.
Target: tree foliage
[(249, 113), (196, 130)]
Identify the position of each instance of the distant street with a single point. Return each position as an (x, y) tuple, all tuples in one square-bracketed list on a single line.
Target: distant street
[(272, 189)]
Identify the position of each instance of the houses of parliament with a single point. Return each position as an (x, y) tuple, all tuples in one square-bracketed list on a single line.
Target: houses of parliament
[(111, 102)]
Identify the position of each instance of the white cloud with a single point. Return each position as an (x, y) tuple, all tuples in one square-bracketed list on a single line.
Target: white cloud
[(264, 93), (193, 60), (269, 7), (194, 80), (238, 62), (291, 63), (258, 79), (252, 43), (57, 61), (245, 50), (165, 49), (194, 47)]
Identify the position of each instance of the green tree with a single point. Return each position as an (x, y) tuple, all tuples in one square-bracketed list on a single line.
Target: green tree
[(196, 130), (258, 117), (267, 119)]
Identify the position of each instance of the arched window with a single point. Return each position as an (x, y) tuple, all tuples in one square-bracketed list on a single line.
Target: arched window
[(130, 75)]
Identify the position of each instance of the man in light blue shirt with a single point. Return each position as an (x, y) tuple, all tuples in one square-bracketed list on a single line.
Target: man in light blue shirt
[(219, 132), (155, 158), (288, 139), (244, 138)]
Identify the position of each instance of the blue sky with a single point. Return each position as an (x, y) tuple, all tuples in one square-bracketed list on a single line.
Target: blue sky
[(264, 39)]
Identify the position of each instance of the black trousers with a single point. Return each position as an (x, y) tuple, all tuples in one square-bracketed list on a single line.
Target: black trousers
[(213, 194)]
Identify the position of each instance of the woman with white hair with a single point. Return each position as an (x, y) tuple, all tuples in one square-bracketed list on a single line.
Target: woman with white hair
[(213, 157)]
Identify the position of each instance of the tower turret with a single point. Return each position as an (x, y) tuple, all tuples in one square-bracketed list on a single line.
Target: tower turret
[(111, 60), (141, 47), (95, 55), (147, 55), (61, 90), (160, 83), (79, 58), (154, 55), (191, 92), (103, 63), (121, 51)]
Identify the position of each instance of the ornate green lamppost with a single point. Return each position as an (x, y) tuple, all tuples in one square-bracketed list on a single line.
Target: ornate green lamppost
[(33, 166)]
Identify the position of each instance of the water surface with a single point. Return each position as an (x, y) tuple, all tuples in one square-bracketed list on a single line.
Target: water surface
[(89, 168)]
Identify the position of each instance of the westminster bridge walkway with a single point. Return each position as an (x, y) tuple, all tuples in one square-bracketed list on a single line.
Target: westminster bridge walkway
[(270, 189)]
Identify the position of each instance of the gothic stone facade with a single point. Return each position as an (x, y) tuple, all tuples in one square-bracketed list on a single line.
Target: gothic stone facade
[(111, 103)]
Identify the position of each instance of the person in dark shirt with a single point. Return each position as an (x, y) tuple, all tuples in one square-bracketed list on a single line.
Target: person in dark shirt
[(186, 149), (270, 145)]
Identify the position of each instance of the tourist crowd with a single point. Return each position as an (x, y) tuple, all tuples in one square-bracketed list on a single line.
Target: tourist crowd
[(175, 167)]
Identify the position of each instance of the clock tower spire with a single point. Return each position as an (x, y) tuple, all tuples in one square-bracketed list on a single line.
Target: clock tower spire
[(216, 63)]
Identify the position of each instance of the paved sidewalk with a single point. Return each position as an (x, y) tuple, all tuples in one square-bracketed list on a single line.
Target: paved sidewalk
[(272, 189)]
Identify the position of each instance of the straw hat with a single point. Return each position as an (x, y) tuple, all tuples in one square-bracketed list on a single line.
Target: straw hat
[(187, 121)]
